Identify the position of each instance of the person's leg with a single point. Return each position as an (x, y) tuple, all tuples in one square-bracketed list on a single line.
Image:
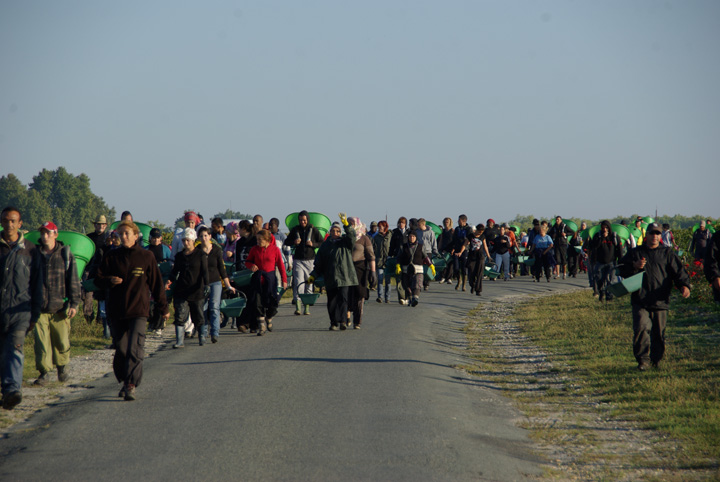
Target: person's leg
[(182, 313), (213, 309), (60, 338), (343, 306), (11, 367), (88, 306), (136, 351), (332, 302), (657, 336), (198, 316), (380, 272), (506, 265), (122, 348), (641, 335), (43, 345)]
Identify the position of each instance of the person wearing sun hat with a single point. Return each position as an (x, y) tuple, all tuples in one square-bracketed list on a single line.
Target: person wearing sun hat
[(663, 269), (99, 237)]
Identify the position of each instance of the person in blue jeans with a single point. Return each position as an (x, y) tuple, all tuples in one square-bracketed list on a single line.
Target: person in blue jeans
[(216, 276), (502, 252)]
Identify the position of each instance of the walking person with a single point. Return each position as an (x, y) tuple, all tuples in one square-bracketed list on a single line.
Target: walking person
[(364, 262), (304, 239), (410, 263), (700, 239), (663, 269), (99, 237), (428, 242), (559, 233), (445, 245), (459, 253), (605, 252), (216, 277), (262, 260), (334, 263), (542, 250), (189, 279), (712, 265), (397, 240), (162, 254), (478, 252), (61, 298), (381, 248), (131, 275), (21, 299), (501, 244)]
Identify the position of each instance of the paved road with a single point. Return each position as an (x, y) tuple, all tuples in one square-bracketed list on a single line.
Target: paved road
[(301, 403)]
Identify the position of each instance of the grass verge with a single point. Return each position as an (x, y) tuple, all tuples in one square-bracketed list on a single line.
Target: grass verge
[(666, 421)]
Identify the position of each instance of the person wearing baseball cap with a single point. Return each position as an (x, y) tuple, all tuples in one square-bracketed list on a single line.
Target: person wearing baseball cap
[(663, 269), (61, 288)]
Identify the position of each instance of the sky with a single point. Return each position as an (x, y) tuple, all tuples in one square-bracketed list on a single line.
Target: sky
[(376, 108)]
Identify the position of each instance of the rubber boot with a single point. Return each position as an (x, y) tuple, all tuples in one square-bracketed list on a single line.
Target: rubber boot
[(296, 303), (202, 334), (62, 374), (179, 336), (306, 309)]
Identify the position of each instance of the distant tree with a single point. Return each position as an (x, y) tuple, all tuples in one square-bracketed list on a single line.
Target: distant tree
[(229, 214), (159, 225), (55, 195)]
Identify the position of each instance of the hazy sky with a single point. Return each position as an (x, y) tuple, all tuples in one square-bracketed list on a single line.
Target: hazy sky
[(490, 108)]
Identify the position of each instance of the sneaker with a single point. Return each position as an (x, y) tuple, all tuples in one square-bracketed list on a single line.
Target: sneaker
[(213, 339), (442, 280), (243, 328), (387, 301), (642, 366), (179, 345), (563, 275), (42, 380), (130, 392), (62, 374), (356, 327), (11, 400), (121, 393), (343, 326), (415, 302), (379, 300), (333, 328)]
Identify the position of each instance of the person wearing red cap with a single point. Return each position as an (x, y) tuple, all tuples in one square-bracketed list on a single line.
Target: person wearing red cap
[(20, 302), (61, 298)]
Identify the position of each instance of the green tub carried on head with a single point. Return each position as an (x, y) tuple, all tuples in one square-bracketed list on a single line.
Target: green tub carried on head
[(144, 231), (82, 247)]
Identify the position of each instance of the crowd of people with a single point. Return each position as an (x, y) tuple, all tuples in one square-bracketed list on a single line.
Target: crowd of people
[(131, 278)]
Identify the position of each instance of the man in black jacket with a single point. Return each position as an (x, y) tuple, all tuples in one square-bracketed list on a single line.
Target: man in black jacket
[(305, 239), (21, 298), (712, 265), (662, 268)]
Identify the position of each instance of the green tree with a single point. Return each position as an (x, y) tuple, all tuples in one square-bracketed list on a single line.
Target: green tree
[(230, 214), (55, 195)]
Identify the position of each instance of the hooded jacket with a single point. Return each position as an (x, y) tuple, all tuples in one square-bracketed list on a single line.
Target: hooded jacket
[(662, 270), (21, 292)]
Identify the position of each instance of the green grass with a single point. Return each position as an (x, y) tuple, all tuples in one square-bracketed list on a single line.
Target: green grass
[(593, 343)]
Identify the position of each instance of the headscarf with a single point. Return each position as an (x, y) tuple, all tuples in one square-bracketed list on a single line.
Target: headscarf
[(360, 228)]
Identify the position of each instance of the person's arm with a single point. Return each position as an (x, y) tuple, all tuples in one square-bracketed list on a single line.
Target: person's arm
[(72, 286), (204, 270), (712, 262), (250, 262)]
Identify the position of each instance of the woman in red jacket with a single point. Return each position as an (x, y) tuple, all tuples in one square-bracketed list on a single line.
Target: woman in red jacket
[(262, 261)]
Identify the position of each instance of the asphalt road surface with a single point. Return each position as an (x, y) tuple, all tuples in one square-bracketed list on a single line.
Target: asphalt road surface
[(301, 403)]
